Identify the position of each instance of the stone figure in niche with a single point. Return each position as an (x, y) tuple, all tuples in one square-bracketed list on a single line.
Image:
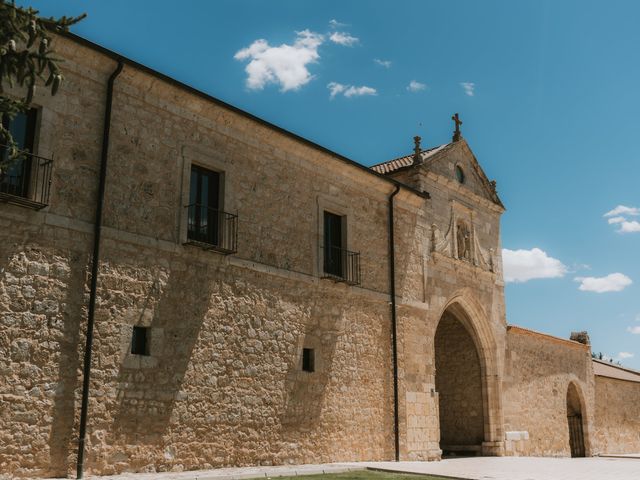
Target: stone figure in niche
[(463, 237)]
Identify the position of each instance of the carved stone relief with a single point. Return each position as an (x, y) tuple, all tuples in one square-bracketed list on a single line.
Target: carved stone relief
[(461, 242)]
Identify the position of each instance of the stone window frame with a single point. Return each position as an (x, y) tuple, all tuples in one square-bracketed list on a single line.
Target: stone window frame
[(37, 137), (331, 205), (310, 340), (155, 339), (41, 113), (207, 160)]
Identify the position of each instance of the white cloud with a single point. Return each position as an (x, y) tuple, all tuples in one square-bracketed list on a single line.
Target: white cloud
[(335, 89), (285, 65), (383, 63), (349, 90), (629, 227), (623, 355), (333, 23), (635, 330), (623, 210), (614, 282), (343, 38), (415, 86), (469, 88), (619, 216), (524, 265)]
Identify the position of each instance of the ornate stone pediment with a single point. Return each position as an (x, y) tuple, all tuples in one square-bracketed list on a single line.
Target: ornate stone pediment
[(460, 240)]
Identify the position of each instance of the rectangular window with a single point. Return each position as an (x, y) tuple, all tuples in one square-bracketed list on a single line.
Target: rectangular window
[(15, 178), (140, 341), (333, 244), (308, 360), (204, 206)]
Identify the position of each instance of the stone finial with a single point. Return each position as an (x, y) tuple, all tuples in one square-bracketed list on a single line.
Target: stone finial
[(417, 158), (456, 132), (494, 186), (580, 337)]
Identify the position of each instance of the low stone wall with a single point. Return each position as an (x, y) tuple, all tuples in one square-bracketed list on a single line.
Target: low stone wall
[(617, 422), (538, 371)]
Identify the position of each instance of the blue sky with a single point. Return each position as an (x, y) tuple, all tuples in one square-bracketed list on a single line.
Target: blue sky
[(548, 92)]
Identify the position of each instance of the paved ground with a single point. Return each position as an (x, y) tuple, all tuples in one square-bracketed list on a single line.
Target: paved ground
[(524, 468), (239, 473), (480, 468)]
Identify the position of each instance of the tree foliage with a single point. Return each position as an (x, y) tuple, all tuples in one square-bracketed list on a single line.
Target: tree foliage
[(26, 60)]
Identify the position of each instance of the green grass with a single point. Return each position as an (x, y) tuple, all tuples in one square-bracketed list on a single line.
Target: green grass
[(363, 475)]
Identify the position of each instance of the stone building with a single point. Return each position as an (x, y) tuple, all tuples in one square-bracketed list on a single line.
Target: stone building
[(260, 299)]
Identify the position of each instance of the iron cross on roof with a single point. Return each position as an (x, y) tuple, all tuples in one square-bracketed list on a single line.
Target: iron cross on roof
[(458, 122)]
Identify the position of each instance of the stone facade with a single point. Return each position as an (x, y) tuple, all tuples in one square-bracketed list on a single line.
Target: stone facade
[(223, 384), (538, 373), (617, 410)]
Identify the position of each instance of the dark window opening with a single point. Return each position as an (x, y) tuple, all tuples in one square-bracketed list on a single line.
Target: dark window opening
[(208, 226), (308, 360), (204, 200), (459, 174), (140, 341), (333, 244), (15, 175)]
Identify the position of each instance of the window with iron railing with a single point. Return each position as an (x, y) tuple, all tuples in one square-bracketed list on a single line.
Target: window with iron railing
[(26, 178), (208, 225), (339, 263)]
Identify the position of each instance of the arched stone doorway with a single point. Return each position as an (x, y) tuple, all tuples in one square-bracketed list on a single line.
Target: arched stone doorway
[(574, 421), (459, 383)]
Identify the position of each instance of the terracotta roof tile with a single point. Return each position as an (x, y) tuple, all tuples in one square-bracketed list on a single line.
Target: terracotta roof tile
[(406, 161)]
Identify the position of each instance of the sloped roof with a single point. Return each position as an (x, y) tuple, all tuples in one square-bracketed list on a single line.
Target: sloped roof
[(606, 369), (406, 161), (431, 154)]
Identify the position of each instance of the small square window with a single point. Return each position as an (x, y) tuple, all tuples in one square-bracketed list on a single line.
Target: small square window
[(308, 360), (140, 341)]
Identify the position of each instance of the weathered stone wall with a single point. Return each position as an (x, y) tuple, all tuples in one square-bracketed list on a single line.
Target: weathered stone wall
[(538, 371), (44, 259), (41, 299), (223, 383), (617, 416)]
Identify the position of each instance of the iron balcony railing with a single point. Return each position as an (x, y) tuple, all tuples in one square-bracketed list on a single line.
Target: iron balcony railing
[(25, 180), (212, 229), (342, 265)]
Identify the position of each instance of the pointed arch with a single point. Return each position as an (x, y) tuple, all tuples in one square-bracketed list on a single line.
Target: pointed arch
[(470, 313), (577, 420)]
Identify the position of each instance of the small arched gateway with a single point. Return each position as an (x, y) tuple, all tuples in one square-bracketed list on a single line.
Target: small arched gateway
[(465, 379), (575, 422)]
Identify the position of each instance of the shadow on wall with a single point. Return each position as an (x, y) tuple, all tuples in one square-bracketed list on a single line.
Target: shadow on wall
[(305, 391), (63, 438), (148, 387)]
